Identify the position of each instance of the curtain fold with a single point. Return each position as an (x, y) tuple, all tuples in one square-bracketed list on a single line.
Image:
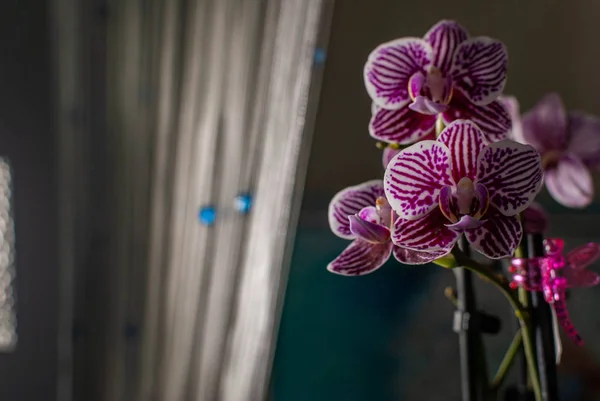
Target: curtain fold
[(204, 100)]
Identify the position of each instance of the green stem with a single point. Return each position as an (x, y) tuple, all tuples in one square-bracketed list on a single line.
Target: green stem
[(506, 363), (521, 313)]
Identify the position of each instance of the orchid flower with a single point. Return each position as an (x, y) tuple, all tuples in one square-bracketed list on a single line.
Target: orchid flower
[(568, 142), (458, 184), (412, 81), (362, 214)]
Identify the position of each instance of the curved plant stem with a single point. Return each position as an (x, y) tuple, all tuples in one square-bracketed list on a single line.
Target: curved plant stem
[(523, 316), (506, 363)]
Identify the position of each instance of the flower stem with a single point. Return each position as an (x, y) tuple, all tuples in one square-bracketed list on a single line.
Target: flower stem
[(506, 363), (523, 316)]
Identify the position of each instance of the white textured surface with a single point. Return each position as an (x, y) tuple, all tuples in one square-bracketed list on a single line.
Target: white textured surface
[(229, 83)]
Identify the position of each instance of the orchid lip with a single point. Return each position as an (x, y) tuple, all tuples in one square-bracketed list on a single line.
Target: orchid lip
[(368, 231), (424, 105), (430, 93), (466, 222)]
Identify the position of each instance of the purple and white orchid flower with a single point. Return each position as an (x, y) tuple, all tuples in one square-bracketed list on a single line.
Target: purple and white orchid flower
[(458, 184), (362, 214), (568, 142), (412, 81)]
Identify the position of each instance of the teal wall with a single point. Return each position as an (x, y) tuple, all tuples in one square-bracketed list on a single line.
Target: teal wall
[(340, 337)]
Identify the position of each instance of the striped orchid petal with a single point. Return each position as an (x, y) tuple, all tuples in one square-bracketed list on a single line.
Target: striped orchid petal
[(412, 257), (479, 69), (402, 126), (430, 233), (444, 38), (493, 119), (498, 237), (414, 178), (512, 174), (349, 202), (360, 258), (390, 67), (465, 141)]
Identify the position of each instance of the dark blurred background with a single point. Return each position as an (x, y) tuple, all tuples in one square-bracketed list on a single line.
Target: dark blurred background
[(28, 140)]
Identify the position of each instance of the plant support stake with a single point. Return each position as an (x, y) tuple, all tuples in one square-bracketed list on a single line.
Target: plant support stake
[(543, 329), (463, 325)]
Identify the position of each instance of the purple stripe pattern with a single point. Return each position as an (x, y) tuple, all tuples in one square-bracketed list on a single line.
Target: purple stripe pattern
[(389, 68), (493, 119), (512, 174), (360, 258), (465, 141), (414, 178), (445, 73), (429, 233), (402, 126), (458, 184), (412, 257), (479, 69), (444, 38), (498, 237), (349, 202)]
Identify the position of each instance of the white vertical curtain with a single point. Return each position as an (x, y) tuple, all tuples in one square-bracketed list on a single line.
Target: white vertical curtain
[(205, 99)]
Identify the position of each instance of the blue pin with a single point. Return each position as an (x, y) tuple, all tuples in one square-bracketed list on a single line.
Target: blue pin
[(207, 215), (131, 331), (243, 203), (320, 56)]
